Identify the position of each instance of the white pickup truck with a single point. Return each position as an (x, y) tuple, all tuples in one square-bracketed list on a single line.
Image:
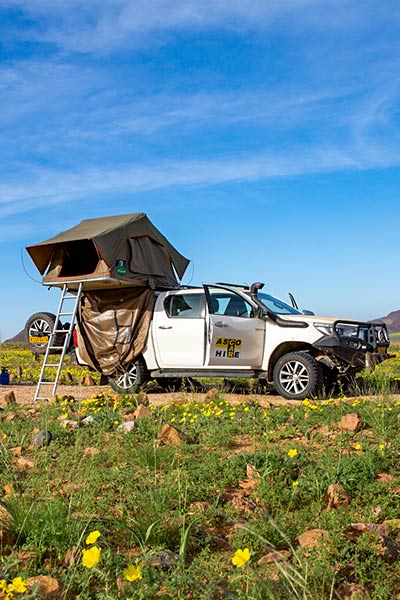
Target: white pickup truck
[(223, 330)]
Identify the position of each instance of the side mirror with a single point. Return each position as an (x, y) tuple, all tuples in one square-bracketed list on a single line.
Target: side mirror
[(308, 312)]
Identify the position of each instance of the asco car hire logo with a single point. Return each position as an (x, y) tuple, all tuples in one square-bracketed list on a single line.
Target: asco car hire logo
[(228, 347)]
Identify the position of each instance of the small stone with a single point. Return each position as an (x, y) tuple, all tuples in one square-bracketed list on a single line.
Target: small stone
[(351, 422), (90, 452), (68, 377), (337, 496), (43, 438), (25, 462), (211, 394), (18, 372), (348, 590), (172, 436), (46, 587), (312, 538), (274, 557), (142, 411), (7, 399), (164, 560), (89, 420), (69, 424), (88, 380), (127, 426), (142, 398)]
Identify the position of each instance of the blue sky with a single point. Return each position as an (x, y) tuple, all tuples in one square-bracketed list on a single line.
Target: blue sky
[(262, 138)]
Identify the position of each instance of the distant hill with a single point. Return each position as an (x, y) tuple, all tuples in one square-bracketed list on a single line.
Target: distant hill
[(392, 321), (17, 339)]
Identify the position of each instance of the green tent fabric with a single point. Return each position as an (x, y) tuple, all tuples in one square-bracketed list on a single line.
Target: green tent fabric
[(109, 252)]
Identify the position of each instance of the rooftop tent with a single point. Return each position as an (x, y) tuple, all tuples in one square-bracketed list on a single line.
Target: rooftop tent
[(109, 252)]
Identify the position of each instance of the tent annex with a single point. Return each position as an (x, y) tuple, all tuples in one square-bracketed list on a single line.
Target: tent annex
[(109, 252)]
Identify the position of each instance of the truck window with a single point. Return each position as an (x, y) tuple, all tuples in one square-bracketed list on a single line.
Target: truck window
[(224, 302), (184, 306)]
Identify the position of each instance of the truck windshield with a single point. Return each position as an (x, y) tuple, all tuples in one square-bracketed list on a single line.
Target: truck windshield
[(277, 306)]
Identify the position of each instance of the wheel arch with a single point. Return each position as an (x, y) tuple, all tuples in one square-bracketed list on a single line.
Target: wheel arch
[(284, 348)]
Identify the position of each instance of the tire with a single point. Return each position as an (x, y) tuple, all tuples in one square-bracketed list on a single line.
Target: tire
[(128, 379), (38, 329), (170, 384), (297, 375)]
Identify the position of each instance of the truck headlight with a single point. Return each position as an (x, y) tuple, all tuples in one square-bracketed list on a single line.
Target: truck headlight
[(324, 328)]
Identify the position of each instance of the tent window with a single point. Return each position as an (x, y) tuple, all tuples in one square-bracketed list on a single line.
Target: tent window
[(79, 258)]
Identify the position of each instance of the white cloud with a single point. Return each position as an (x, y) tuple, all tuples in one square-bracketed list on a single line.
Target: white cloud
[(51, 187), (93, 26)]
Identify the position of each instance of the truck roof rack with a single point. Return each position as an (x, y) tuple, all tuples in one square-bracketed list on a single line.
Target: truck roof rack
[(238, 285)]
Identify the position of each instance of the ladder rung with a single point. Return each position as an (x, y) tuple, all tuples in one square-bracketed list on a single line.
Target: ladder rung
[(56, 347), (63, 314), (60, 331), (47, 382), (52, 364)]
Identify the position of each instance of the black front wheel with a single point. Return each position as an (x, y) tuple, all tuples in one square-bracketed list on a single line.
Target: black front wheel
[(297, 375), (127, 379)]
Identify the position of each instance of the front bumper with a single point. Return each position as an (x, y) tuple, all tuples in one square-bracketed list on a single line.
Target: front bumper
[(367, 345)]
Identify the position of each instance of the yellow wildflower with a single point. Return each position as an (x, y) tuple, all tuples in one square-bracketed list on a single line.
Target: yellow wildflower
[(132, 573), (240, 557), (93, 537), (91, 557), (17, 585), (292, 453), (295, 483)]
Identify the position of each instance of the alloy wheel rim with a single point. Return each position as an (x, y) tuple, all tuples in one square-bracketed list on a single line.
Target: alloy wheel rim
[(294, 377), (127, 377)]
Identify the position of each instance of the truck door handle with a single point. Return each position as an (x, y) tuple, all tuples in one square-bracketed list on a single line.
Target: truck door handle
[(220, 324), (165, 327)]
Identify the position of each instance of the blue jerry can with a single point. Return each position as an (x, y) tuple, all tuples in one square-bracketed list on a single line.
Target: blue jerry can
[(4, 376)]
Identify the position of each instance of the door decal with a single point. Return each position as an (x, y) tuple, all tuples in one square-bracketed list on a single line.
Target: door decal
[(228, 347)]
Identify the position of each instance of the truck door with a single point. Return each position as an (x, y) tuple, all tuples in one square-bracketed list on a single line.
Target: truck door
[(179, 329), (235, 336)]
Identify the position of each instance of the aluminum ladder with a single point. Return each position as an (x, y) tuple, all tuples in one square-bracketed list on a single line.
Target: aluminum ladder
[(45, 377)]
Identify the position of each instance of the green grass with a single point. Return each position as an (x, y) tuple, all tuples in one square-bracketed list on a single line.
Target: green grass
[(247, 477)]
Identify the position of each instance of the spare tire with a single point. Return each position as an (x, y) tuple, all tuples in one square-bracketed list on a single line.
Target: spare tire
[(38, 329)]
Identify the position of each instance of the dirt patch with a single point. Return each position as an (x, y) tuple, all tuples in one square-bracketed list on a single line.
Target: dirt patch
[(25, 393)]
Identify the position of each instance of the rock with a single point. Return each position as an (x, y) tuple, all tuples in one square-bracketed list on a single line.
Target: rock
[(142, 398), (312, 538), (46, 587), (264, 403), (384, 477), (164, 560), (68, 423), (18, 372), (170, 435), (8, 489), (90, 452), (211, 394), (274, 557), (7, 399), (337, 496), (127, 426), (88, 380), (43, 438), (68, 377), (7, 536), (348, 590), (89, 420), (142, 411), (25, 462), (351, 422)]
